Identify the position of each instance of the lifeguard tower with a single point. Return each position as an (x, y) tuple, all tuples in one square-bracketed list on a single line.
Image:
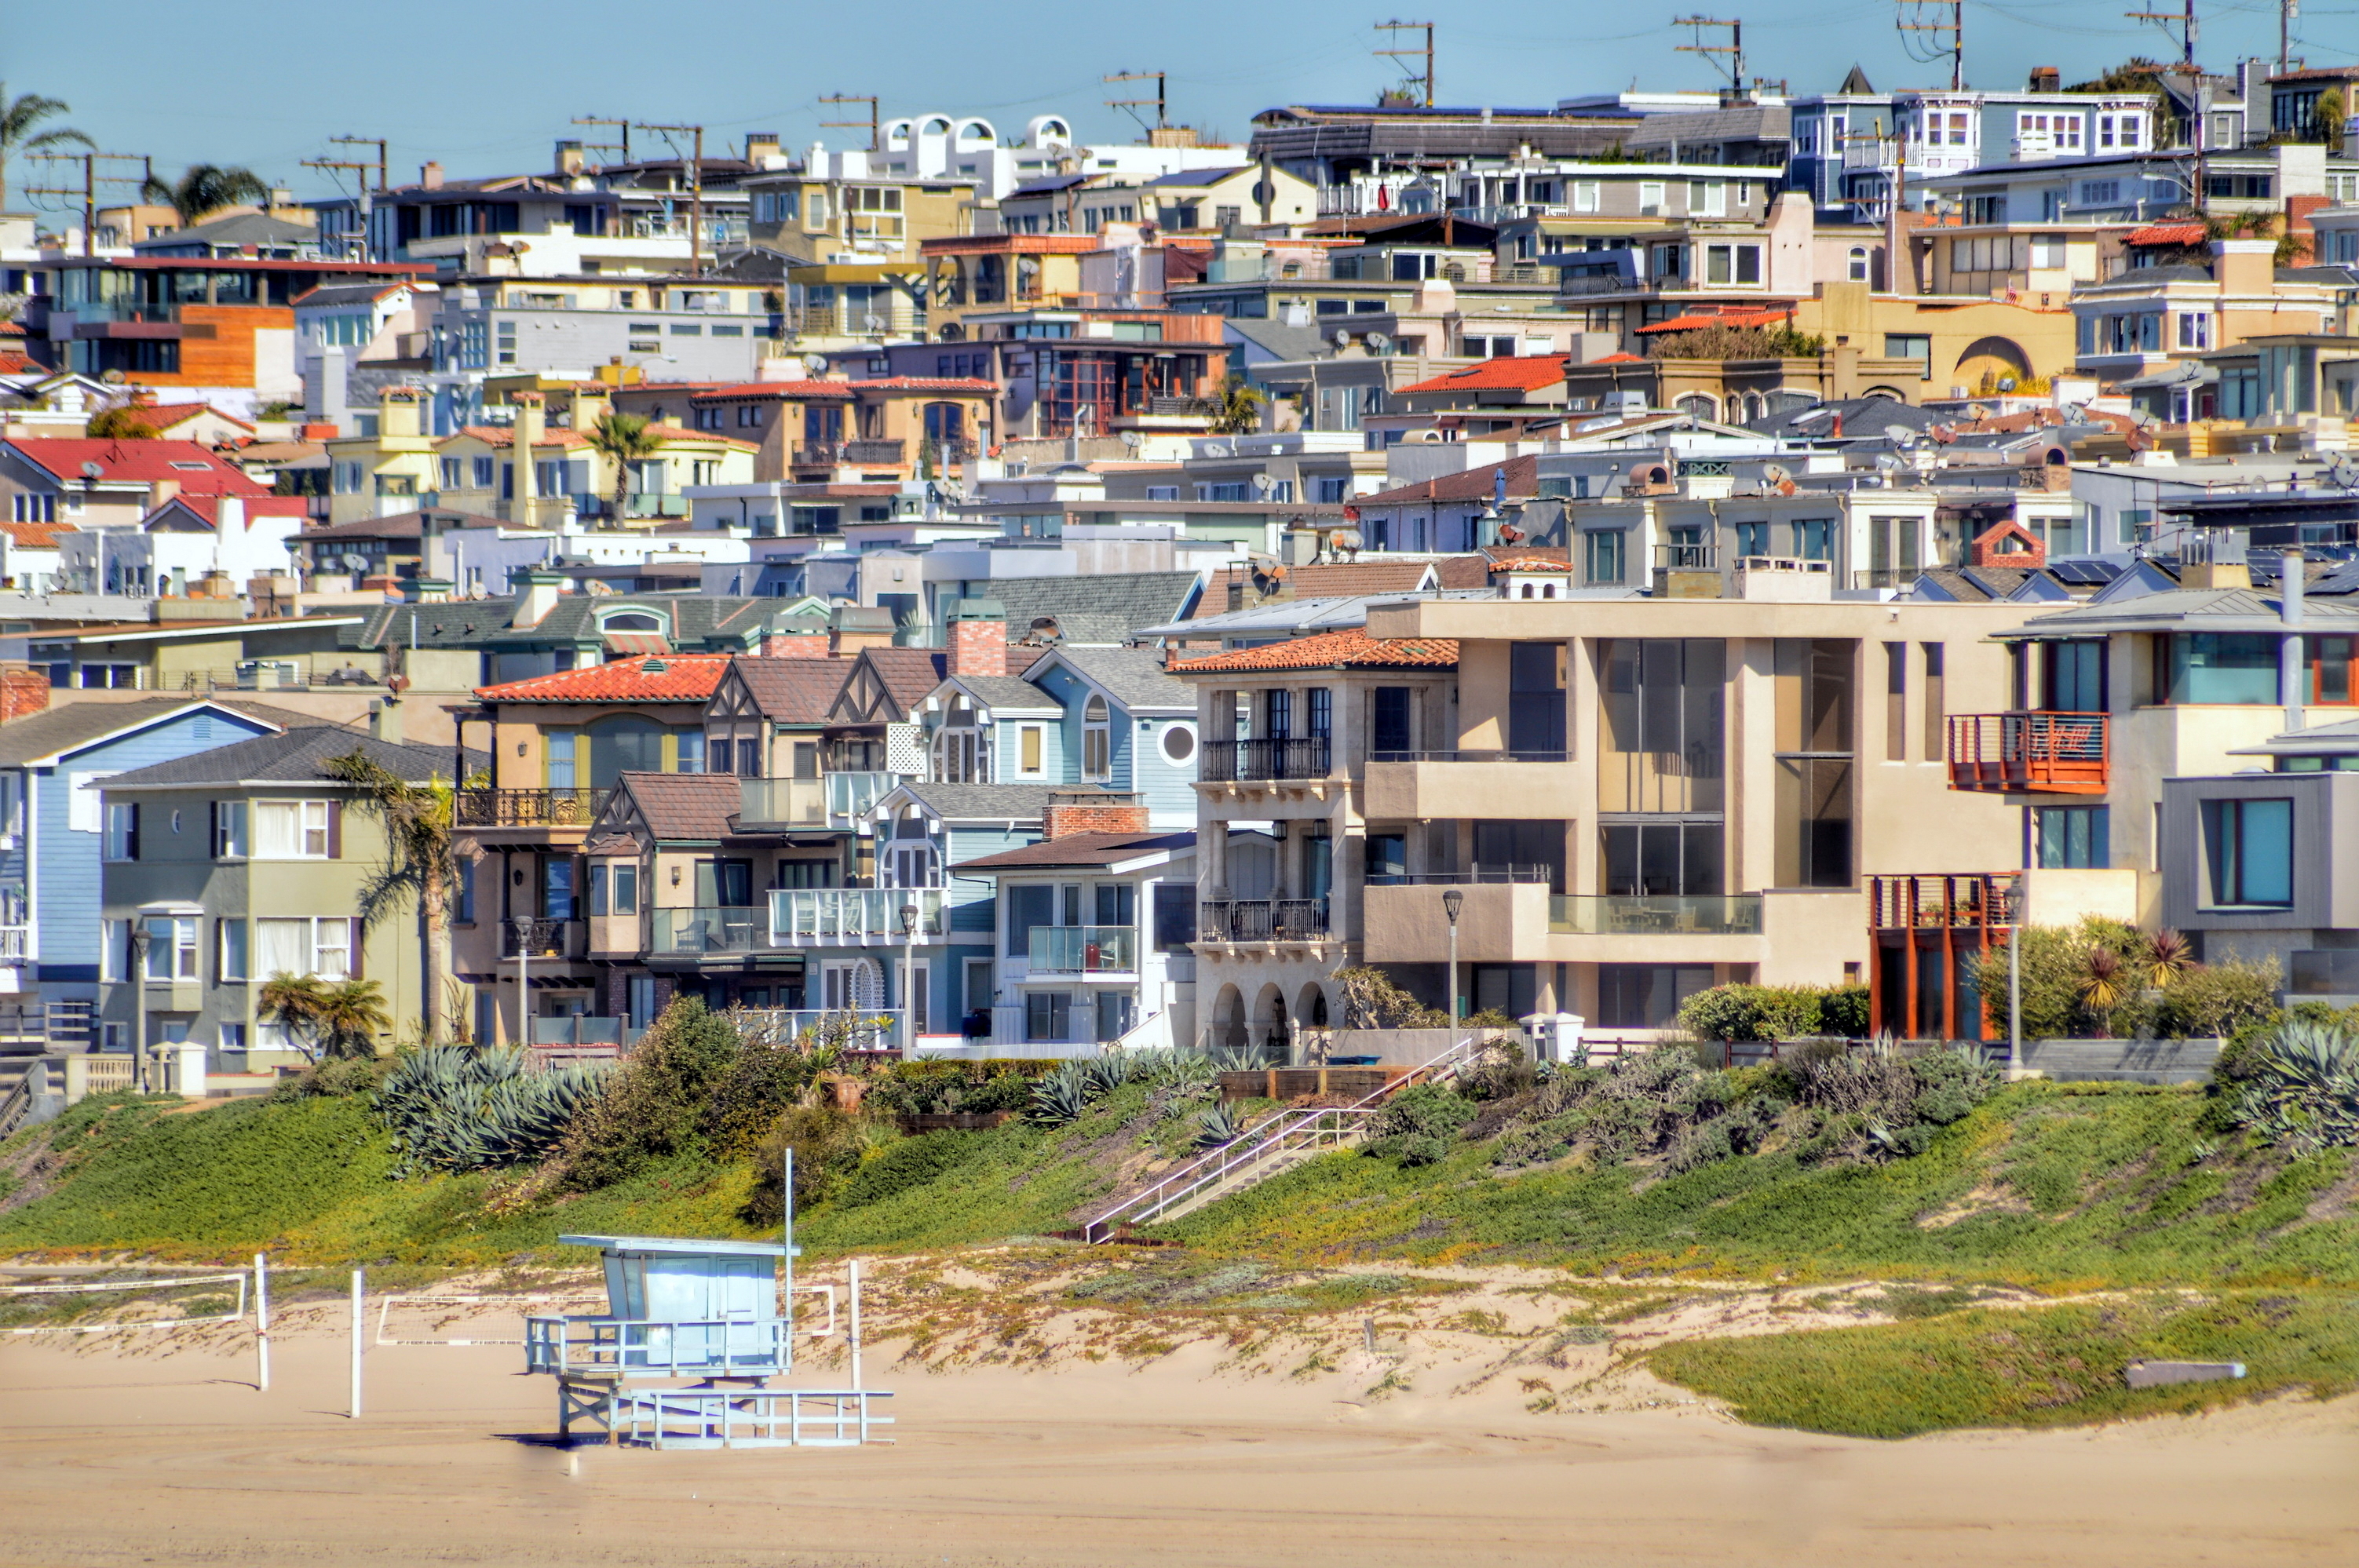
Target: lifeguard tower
[(683, 1357)]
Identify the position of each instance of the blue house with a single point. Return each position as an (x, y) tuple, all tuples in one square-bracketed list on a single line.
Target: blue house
[(53, 829)]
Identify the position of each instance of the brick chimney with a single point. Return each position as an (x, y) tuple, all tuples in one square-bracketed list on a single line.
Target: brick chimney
[(23, 691), (858, 626), (430, 174), (2046, 79), (2008, 543), (1092, 811), (794, 645), (978, 638)]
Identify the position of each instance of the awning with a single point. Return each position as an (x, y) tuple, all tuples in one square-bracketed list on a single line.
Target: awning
[(636, 641)]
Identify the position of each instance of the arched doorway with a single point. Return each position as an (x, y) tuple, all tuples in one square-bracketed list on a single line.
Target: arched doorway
[(1311, 1006), (1271, 1035), (1987, 361), (1228, 1027)]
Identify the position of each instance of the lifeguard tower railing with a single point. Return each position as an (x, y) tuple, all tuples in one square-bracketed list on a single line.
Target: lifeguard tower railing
[(649, 1348)]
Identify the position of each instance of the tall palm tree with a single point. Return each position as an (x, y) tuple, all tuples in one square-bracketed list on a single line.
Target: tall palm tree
[(622, 439), (206, 187), (420, 861), (340, 1020), (20, 131)]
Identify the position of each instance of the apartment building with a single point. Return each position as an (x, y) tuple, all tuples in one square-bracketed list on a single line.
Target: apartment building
[(2150, 330)]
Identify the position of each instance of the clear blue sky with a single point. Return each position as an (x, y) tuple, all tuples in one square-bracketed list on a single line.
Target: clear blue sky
[(488, 87)]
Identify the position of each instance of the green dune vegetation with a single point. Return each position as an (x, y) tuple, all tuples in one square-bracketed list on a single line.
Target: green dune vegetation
[(2210, 1221)]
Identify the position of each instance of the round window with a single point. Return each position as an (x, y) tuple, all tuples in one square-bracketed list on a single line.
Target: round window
[(1178, 744)]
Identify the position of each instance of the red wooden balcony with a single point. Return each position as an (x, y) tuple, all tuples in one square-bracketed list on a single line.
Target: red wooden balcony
[(2037, 753)]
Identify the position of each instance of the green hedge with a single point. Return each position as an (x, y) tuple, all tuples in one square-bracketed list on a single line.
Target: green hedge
[(1737, 1012)]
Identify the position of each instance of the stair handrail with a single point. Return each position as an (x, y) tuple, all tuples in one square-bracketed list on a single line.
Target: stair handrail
[(1264, 1139), (16, 1104)]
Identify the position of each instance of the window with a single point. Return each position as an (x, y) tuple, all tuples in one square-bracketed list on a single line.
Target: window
[(113, 950), (1660, 858), (2075, 837), (1097, 740), (1732, 264), (29, 508), (172, 947), (1936, 722), (1585, 196), (2248, 853), (1027, 907), (1650, 197), (121, 832), (1857, 262), (1162, 492), (1896, 702), (229, 829), (1536, 699), (321, 946), (2100, 192), (1048, 1015), (1917, 346), (1278, 714), (1179, 744), (2238, 667), (1813, 683), (1752, 539), (1647, 996), (294, 829), (1708, 199), (2194, 330), (1390, 728), (1029, 749), (1601, 555)]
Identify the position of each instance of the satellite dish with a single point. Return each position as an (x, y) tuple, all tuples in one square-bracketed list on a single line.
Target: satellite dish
[(1377, 342), (1219, 449), (1263, 484), (92, 470), (1899, 435), (1132, 441), (1775, 474), (1343, 336), (353, 562), (1886, 462)]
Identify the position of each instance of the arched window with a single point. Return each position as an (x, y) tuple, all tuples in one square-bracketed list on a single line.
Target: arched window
[(630, 620), (1097, 740), (1859, 263)]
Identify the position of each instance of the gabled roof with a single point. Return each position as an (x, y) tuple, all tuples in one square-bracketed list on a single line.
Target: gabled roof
[(189, 464), (1005, 694), (1096, 849), (906, 676), (166, 416), (295, 756), (1515, 373), (334, 293), (716, 621), (685, 807), (400, 525), (1134, 677), (1105, 611), (1198, 177), (207, 508), (792, 690), (668, 678), (36, 535), (237, 228), (986, 802), (1467, 484), (42, 738), (1351, 649)]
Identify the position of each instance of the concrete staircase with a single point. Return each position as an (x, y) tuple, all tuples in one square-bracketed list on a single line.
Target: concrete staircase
[(2122, 1061)]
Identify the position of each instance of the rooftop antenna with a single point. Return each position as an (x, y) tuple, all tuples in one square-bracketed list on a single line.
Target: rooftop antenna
[(1162, 107), (1734, 48), (876, 133), (1932, 50), (1425, 83)]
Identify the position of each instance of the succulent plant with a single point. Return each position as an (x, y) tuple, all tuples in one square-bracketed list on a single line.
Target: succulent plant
[(1061, 1099), (1216, 1127), (454, 1107)]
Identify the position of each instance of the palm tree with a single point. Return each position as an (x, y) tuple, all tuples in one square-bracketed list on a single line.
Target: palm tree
[(1239, 410), (206, 187), (622, 439), (340, 1020), (20, 132), (420, 861)]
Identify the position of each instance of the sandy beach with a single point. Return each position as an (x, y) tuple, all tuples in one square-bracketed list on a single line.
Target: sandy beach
[(113, 1453)]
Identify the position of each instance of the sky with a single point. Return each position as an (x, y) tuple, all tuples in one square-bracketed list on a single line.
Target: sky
[(489, 88)]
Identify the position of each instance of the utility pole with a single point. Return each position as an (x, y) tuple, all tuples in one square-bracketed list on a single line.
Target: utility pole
[(1955, 27), (623, 147), (2287, 11), (88, 190), (1162, 116), (2184, 20), (695, 189), (837, 99), (363, 169), (1734, 48), (1424, 82)]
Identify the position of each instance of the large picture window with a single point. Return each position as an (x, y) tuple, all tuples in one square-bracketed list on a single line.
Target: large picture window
[(293, 829), (2223, 667), (321, 947), (2248, 853)]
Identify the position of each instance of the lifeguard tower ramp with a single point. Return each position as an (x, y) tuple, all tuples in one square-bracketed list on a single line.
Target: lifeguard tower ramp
[(685, 1355)]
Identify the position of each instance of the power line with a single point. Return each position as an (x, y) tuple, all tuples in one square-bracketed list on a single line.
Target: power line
[(91, 180), (1160, 104), (623, 147), (1734, 48), (363, 168), (876, 133), (1425, 81), (1928, 53)]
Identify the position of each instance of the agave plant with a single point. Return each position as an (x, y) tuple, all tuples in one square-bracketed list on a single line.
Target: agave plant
[(1216, 1127), (2306, 1096), (452, 1108), (1061, 1099), (1107, 1072), (1189, 1073)]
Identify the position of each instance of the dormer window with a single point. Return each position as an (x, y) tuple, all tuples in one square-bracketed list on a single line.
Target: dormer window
[(1097, 740)]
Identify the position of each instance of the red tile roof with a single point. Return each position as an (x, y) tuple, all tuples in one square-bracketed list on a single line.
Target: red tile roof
[(13, 363), (139, 462), (1333, 650), (502, 436), (209, 506), (1530, 564), (34, 536), (775, 389), (669, 677), (1763, 315), (1617, 358), (1513, 374), (2165, 234), (809, 389)]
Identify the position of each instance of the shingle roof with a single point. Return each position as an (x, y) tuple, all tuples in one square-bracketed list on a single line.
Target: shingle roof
[(1105, 611), (666, 678), (794, 690), (1081, 850), (1134, 675), (1517, 373), (1010, 694), (989, 801), (1333, 650), (1467, 484), (909, 673), (400, 525), (237, 228), (298, 756), (138, 462), (678, 807), (58, 730), (700, 622)]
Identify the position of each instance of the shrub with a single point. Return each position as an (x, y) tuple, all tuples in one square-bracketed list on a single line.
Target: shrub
[(1370, 999), (1060, 1100), (904, 1163), (1216, 1127), (1417, 1125), (758, 1087), (452, 1108), (2299, 1085), (828, 1146), (1738, 1012), (2219, 999), (654, 1105)]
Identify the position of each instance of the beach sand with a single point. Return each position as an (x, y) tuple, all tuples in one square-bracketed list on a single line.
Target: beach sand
[(112, 1453)]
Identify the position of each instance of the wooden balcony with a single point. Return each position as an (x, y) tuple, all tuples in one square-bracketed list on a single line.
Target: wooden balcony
[(2030, 752)]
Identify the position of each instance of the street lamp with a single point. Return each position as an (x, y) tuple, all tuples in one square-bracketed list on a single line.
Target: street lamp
[(1452, 901), (140, 937), (909, 978)]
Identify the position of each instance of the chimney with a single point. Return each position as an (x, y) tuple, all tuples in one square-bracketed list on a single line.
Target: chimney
[(762, 149), (858, 626), (591, 403), (2246, 267), (523, 437), (794, 645), (398, 413), (568, 157), (229, 516), (430, 174), (537, 593), (1092, 811), (2046, 79), (978, 640), (385, 722), (23, 691), (162, 491)]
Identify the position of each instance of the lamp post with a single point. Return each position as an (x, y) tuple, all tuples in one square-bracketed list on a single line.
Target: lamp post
[(140, 938), (522, 927), (1452, 901), (909, 978)]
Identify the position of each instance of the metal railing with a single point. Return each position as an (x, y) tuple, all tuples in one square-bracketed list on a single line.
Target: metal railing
[(534, 936), (1519, 754), (1084, 949), (1886, 577), (1477, 873), (1260, 1153), (709, 928), (68, 1025), (851, 915), (797, 803), (1230, 760), (529, 807), (583, 1029), (1642, 914), (873, 451), (2050, 752), (1261, 920), (648, 1348), (1968, 899), (855, 1029), (15, 944), (1687, 557)]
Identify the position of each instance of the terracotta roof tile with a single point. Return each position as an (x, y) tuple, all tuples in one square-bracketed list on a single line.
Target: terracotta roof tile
[(189, 464), (1528, 564), (668, 678), (1739, 315), (1332, 650), (2165, 234), (1513, 374)]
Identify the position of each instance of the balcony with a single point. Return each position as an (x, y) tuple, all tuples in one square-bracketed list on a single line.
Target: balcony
[(1261, 920), (533, 937), (787, 803), (869, 916), (2030, 752), (1239, 761), (1085, 950), (1412, 786), (1970, 901), (851, 797), (677, 933), (15, 944), (889, 452), (1648, 915), (529, 807)]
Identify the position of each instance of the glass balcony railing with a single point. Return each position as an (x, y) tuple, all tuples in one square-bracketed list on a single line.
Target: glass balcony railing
[(851, 795), (800, 915), (1084, 949), (709, 929), (1651, 915), (796, 803)]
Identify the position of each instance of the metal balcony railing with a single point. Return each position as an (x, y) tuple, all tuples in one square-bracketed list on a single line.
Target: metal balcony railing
[(1273, 758), (1687, 556), (529, 807), (2035, 752), (1648, 914), (1973, 899), (1872, 577), (1478, 873), (1261, 920), (873, 451), (709, 928), (532, 937), (1520, 755), (1085, 950), (793, 802), (866, 915), (855, 1029)]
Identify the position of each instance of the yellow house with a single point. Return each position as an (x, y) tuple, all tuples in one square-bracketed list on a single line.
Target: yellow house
[(817, 219), (1956, 341), (989, 274)]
